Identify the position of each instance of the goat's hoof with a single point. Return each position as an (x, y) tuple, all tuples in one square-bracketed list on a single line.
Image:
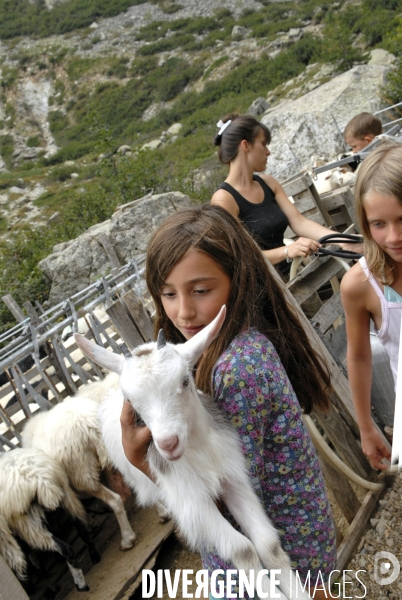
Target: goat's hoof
[(164, 518), (127, 545), (84, 588)]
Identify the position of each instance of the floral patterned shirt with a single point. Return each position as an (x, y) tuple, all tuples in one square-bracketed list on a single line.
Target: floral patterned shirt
[(253, 389)]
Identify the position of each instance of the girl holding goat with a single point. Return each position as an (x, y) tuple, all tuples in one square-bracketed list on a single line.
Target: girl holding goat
[(261, 371)]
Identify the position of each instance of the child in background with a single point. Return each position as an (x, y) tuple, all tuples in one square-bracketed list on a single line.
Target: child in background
[(372, 289), (258, 370), (361, 131)]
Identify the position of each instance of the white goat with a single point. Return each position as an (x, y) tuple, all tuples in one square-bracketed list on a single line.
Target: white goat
[(30, 482), (195, 454), (70, 433)]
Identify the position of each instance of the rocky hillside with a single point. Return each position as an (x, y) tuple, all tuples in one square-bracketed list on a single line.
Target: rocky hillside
[(104, 103)]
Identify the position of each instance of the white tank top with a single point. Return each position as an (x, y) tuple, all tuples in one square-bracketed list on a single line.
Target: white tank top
[(389, 332)]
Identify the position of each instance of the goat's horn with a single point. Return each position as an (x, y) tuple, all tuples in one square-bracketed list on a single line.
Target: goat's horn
[(161, 341)]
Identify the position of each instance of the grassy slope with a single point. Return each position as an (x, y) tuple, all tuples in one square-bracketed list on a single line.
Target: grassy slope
[(93, 125)]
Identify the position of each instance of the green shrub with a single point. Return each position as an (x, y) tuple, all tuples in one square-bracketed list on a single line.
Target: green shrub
[(34, 141), (21, 18), (70, 151), (78, 66), (170, 9), (117, 67), (8, 77), (6, 148)]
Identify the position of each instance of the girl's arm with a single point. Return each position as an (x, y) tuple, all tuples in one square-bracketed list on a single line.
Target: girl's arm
[(135, 439), (359, 363)]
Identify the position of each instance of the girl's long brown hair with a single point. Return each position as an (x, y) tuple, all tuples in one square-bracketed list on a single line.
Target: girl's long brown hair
[(381, 172), (255, 298)]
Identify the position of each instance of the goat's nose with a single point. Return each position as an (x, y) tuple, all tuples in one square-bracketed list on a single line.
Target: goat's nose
[(168, 444)]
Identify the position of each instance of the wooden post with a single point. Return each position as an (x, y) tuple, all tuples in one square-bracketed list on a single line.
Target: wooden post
[(124, 325), (13, 307), (139, 315), (110, 251)]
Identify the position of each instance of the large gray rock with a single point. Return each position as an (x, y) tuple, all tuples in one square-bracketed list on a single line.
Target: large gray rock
[(313, 123), (76, 264)]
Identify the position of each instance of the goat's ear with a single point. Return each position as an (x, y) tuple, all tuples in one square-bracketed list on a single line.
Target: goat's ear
[(193, 349), (104, 358)]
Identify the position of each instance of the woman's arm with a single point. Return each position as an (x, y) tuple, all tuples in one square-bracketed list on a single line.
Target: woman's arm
[(299, 224), (359, 363)]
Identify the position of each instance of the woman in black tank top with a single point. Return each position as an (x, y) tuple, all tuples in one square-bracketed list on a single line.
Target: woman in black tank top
[(259, 201)]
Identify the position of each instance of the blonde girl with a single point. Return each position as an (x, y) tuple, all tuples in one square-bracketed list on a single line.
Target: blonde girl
[(372, 289)]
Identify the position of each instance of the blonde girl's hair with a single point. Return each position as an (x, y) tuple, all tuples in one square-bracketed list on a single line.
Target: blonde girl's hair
[(255, 297), (380, 172)]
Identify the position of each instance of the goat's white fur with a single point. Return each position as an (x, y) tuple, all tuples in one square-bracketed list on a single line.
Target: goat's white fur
[(31, 481), (333, 179), (70, 433), (195, 455)]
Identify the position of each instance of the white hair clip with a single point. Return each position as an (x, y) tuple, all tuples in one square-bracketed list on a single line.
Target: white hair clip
[(223, 126)]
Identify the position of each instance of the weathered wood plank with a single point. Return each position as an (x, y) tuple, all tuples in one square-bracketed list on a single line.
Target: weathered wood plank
[(337, 341), (304, 202), (13, 307), (110, 251), (124, 324), (10, 588), (356, 529), (344, 441), (107, 582), (341, 489), (325, 317), (305, 283), (297, 184), (139, 315)]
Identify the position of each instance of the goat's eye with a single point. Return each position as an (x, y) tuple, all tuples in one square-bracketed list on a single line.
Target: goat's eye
[(186, 381)]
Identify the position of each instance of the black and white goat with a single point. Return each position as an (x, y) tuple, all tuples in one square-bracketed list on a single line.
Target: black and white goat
[(195, 455), (70, 433), (30, 484)]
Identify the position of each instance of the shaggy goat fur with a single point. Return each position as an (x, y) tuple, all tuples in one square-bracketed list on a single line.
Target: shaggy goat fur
[(31, 481), (195, 455), (70, 433)]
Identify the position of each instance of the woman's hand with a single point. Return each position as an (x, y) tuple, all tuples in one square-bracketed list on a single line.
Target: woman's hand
[(302, 247), (374, 448), (135, 439)]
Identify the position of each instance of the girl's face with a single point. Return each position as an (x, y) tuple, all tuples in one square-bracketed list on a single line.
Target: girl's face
[(259, 152), (195, 290), (384, 216)]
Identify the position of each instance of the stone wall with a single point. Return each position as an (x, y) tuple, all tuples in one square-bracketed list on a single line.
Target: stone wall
[(76, 264)]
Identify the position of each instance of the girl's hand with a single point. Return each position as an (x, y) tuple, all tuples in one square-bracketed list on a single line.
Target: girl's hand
[(302, 247), (135, 439), (375, 449)]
